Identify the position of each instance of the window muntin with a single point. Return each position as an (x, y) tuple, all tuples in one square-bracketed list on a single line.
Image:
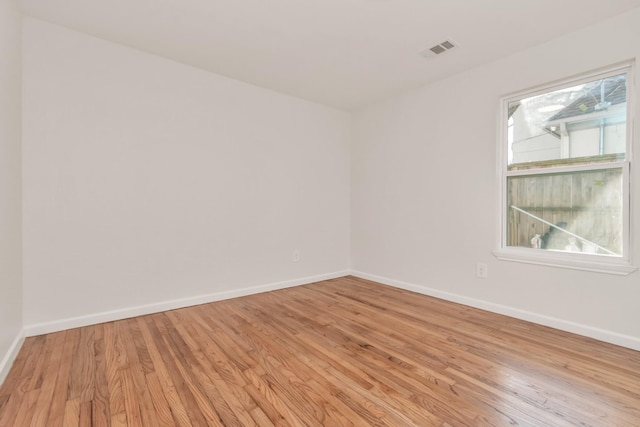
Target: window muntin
[(565, 181)]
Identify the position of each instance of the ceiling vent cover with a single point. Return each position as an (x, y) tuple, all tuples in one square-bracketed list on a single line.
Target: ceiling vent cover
[(438, 49)]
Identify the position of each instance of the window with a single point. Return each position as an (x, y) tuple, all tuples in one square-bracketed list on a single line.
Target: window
[(565, 160)]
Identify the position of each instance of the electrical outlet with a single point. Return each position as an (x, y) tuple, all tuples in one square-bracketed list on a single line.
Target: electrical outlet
[(295, 257), (482, 270)]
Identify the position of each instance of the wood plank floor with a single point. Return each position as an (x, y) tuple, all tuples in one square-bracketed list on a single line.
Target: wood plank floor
[(343, 352)]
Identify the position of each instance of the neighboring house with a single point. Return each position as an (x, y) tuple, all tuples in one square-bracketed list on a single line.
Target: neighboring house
[(582, 121)]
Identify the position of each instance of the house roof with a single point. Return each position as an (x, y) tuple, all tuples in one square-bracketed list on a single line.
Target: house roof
[(615, 92)]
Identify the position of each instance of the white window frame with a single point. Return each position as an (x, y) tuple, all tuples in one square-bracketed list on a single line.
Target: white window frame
[(615, 265)]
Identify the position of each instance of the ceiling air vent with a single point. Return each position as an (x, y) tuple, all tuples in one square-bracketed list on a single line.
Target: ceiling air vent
[(438, 49)]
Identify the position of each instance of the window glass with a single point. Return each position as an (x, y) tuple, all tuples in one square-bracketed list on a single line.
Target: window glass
[(584, 122), (573, 212)]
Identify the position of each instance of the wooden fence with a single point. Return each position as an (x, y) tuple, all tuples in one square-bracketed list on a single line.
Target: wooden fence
[(588, 204)]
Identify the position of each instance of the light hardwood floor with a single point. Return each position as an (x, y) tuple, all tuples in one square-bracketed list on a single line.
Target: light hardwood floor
[(343, 352)]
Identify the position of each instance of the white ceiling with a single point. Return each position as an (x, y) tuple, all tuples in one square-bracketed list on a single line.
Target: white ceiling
[(342, 53)]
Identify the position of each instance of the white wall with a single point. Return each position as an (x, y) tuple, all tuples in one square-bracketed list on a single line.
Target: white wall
[(10, 201), (147, 181), (424, 186)]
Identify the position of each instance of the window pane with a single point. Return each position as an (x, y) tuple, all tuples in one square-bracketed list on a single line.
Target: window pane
[(575, 211), (582, 123)]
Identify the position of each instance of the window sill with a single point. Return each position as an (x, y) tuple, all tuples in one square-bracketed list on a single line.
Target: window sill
[(594, 263)]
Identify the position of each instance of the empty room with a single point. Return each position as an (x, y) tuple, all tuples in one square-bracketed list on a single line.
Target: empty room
[(319, 213)]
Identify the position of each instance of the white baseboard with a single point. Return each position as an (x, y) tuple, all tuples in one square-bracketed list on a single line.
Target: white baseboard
[(553, 322), (10, 356), (109, 316)]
